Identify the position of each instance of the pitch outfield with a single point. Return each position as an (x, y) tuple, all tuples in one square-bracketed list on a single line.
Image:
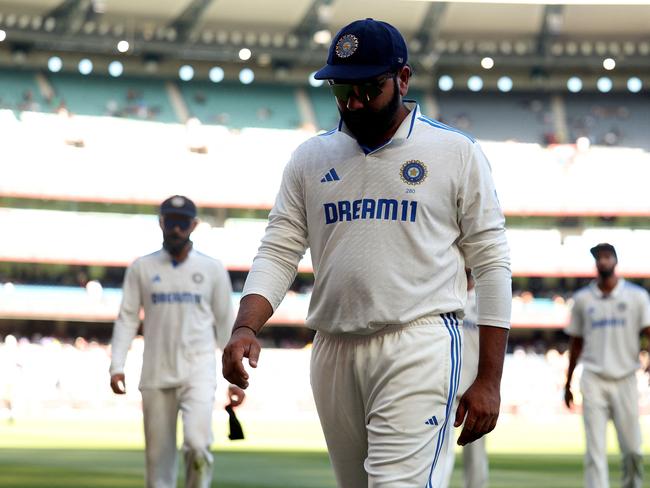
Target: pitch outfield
[(252, 469), (91, 453)]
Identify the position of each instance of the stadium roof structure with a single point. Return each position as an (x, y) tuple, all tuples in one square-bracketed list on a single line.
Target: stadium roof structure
[(285, 35)]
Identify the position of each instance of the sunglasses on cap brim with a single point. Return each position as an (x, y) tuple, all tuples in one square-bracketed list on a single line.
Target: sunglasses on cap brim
[(365, 91), (183, 223)]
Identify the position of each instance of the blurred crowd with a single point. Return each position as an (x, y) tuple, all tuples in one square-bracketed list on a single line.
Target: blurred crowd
[(44, 376)]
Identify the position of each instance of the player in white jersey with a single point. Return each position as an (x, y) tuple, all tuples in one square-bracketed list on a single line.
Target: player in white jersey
[(475, 460), (607, 319), (393, 205), (187, 312)]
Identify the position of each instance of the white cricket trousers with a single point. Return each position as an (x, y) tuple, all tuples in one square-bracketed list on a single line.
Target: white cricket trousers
[(160, 411), (602, 398), (475, 464), (386, 402)]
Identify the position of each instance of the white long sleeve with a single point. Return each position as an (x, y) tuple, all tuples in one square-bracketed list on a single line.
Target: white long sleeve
[(128, 320), (483, 242), (224, 315), (284, 243)]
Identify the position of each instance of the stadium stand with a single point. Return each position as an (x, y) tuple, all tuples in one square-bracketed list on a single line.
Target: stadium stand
[(19, 91), (519, 117), (610, 119), (238, 107), (326, 114), (136, 98)]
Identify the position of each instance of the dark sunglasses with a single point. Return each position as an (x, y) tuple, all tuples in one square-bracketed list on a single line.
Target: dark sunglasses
[(182, 223), (365, 92)]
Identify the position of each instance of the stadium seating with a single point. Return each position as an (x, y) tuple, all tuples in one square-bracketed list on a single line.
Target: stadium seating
[(239, 106), (19, 91), (136, 98), (607, 119), (322, 100), (497, 116), (610, 119)]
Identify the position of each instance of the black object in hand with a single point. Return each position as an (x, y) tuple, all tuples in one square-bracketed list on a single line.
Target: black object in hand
[(236, 431)]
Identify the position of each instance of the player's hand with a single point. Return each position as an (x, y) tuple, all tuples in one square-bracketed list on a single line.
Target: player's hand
[(568, 397), (117, 384), (242, 344), (235, 395), (478, 409)]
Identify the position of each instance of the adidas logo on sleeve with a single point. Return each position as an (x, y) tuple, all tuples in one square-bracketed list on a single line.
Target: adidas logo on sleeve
[(330, 176)]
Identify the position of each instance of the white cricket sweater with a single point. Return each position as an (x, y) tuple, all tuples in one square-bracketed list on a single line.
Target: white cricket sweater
[(187, 312), (390, 232), (610, 326)]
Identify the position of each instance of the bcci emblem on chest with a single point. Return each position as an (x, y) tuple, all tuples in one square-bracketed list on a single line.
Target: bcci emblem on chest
[(413, 172)]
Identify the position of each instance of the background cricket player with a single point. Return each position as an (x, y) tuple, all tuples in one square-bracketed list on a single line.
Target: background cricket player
[(393, 205), (606, 321), (187, 312)]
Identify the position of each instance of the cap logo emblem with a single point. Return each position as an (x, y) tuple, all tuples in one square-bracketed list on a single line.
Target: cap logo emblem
[(178, 202), (346, 46)]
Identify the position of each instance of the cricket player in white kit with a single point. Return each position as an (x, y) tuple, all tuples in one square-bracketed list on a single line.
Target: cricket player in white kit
[(607, 319), (187, 313), (475, 460), (393, 205)]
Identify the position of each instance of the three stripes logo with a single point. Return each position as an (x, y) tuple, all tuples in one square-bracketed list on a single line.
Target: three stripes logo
[(330, 176), (432, 421)]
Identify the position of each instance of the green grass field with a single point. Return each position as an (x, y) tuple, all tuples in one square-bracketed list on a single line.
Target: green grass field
[(108, 453), (75, 468)]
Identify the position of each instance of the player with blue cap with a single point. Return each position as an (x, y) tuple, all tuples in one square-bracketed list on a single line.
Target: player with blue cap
[(394, 206)]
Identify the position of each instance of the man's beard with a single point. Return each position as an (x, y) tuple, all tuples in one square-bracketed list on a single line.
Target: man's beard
[(605, 273), (174, 245), (367, 125)]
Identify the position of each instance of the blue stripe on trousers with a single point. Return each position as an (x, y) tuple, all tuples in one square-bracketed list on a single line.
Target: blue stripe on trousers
[(451, 322)]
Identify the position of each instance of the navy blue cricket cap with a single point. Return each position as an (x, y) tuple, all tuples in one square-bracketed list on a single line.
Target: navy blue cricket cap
[(178, 205), (364, 49), (603, 246)]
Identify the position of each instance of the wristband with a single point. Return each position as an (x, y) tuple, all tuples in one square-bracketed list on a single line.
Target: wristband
[(245, 327)]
